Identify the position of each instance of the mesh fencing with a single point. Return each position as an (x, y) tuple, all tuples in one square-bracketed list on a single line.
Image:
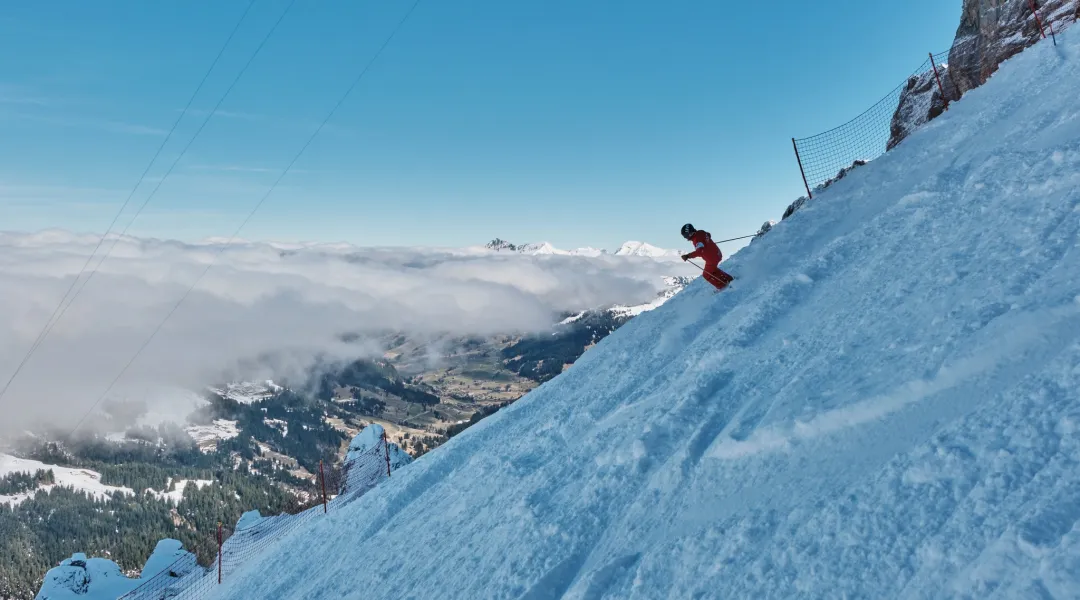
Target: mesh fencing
[(828, 156), (186, 579), (941, 79)]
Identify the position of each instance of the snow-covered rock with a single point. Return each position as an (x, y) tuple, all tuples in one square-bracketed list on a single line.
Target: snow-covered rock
[(796, 205), (165, 555), (206, 436), (368, 438), (85, 579), (82, 578), (920, 101), (766, 227), (501, 245), (541, 249), (833, 426), (248, 519), (989, 34)]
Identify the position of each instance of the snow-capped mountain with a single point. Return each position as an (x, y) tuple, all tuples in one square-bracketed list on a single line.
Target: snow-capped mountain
[(672, 285), (831, 427), (632, 248), (588, 252), (645, 250), (82, 578)]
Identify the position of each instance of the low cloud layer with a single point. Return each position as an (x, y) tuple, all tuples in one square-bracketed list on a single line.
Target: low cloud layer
[(291, 300)]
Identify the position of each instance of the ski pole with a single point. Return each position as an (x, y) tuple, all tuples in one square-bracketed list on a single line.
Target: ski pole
[(736, 239)]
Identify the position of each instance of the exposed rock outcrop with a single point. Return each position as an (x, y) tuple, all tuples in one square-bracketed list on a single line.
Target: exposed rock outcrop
[(990, 32), (920, 101)]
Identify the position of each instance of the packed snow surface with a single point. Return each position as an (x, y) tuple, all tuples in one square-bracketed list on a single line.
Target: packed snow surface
[(885, 404), (83, 480)]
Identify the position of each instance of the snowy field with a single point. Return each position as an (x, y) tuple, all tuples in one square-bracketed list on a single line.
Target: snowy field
[(885, 404), (79, 479), (207, 436), (177, 494), (248, 392)]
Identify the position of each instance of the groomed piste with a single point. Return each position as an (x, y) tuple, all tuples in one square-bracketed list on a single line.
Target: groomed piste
[(886, 404)]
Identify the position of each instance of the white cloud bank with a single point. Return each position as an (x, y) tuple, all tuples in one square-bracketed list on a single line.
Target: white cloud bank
[(261, 297)]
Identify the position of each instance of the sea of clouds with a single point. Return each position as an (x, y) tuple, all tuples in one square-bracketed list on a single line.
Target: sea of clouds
[(292, 300)]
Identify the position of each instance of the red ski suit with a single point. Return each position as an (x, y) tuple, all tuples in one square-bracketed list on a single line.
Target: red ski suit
[(707, 249)]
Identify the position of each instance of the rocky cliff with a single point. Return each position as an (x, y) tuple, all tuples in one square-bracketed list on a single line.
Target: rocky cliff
[(990, 32)]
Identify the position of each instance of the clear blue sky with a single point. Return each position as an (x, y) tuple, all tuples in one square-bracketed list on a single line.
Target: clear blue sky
[(580, 122)]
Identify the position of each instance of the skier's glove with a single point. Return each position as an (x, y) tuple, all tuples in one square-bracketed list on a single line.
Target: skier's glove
[(686, 257)]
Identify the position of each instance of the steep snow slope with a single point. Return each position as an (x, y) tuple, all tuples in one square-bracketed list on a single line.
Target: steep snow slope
[(886, 404)]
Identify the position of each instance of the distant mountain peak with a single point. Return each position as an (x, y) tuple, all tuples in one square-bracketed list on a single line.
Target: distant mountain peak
[(634, 248), (631, 248), (499, 244)]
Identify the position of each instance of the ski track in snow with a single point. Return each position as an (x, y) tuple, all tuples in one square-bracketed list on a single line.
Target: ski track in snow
[(885, 405)]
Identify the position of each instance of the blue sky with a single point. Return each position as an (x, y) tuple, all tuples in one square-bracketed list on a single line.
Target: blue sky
[(577, 122)]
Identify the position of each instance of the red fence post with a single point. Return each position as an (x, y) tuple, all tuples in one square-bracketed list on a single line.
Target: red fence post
[(220, 544), (941, 88), (386, 447), (322, 482), (1038, 21), (801, 171)]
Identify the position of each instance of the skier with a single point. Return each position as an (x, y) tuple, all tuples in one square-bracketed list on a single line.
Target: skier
[(705, 248)]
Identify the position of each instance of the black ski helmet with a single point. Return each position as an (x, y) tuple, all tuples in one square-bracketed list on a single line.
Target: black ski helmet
[(688, 230)]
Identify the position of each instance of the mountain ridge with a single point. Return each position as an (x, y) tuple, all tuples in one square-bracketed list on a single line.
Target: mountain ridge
[(629, 248)]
